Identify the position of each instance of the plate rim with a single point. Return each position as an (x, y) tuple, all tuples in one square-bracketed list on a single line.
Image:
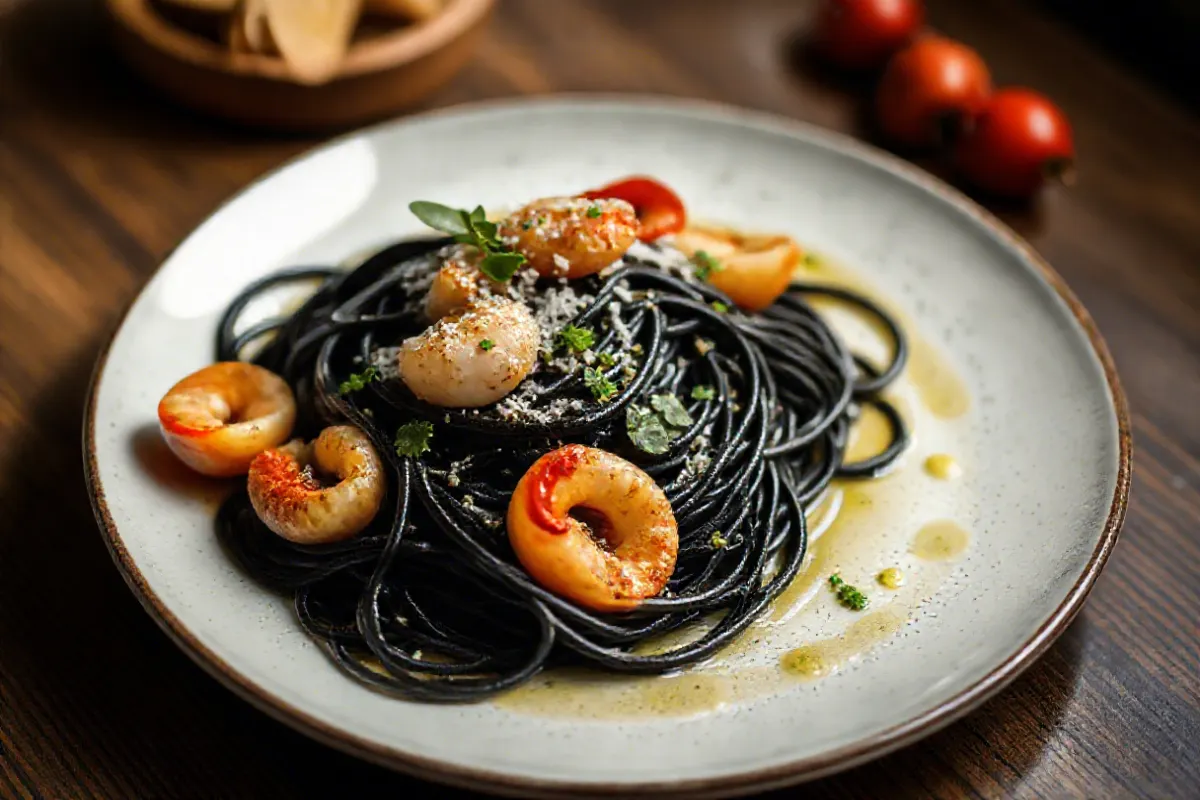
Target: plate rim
[(789, 773)]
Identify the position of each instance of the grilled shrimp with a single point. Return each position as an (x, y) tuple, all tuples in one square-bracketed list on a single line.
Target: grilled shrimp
[(286, 489), (219, 418), (752, 269), (458, 284), (571, 236), (593, 528), (474, 358)]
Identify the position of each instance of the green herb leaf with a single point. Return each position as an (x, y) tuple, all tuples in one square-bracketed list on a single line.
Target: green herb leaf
[(473, 228), (486, 344), (703, 393), (358, 381), (412, 438), (599, 385), (848, 595), (526, 225), (718, 541), (607, 360), (672, 411), (705, 265), (439, 217), (646, 430), (719, 307), (575, 339), (593, 212), (500, 267)]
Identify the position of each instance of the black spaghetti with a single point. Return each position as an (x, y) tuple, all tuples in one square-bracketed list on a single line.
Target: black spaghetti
[(429, 602)]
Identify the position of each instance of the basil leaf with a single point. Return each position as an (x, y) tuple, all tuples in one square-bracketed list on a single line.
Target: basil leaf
[(478, 214), (501, 266), (672, 411), (439, 217)]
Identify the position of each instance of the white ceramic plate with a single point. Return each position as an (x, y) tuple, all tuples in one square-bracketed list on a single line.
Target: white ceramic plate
[(1043, 440)]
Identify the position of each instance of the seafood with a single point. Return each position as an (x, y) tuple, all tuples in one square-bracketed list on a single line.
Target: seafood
[(219, 418), (752, 269), (592, 527), (286, 489), (571, 236), (474, 358)]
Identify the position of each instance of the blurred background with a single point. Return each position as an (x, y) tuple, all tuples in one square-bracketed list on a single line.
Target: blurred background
[(125, 123)]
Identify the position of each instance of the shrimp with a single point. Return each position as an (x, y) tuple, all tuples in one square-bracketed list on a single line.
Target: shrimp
[(752, 269), (593, 528), (474, 358), (219, 418), (571, 236), (289, 498), (458, 284)]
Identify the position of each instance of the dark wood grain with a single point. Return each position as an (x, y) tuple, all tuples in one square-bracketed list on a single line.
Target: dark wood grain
[(99, 178)]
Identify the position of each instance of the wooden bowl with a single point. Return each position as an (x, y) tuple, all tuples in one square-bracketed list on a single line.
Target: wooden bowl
[(379, 76)]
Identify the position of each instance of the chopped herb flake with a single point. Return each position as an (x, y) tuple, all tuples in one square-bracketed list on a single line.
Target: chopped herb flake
[(703, 393), (653, 429), (575, 339), (646, 430), (486, 344), (672, 411), (526, 225), (412, 438), (812, 260), (705, 265), (358, 381), (599, 384), (719, 307), (593, 212), (718, 541), (847, 595), (606, 359)]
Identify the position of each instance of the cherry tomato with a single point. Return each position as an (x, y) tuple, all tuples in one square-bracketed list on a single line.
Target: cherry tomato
[(929, 84), (1017, 140), (861, 34), (659, 210)]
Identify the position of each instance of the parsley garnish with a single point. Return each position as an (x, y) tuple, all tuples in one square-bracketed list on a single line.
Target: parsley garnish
[(653, 429), (473, 228), (575, 339), (703, 393), (486, 344), (412, 438), (358, 381), (593, 212), (718, 541), (526, 225), (847, 595), (719, 307), (599, 385), (705, 265), (606, 359)]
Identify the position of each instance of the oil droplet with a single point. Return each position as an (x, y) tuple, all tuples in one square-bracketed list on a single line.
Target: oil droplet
[(890, 578), (826, 656), (942, 390), (852, 504), (943, 466), (583, 693), (938, 384), (870, 435), (940, 541)]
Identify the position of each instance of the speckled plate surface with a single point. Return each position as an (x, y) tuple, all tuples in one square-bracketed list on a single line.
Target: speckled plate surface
[(1009, 378)]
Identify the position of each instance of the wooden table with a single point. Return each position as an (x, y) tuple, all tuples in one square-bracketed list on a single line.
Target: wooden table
[(99, 179)]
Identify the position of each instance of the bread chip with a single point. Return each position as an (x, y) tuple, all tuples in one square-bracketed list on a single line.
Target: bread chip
[(312, 35)]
